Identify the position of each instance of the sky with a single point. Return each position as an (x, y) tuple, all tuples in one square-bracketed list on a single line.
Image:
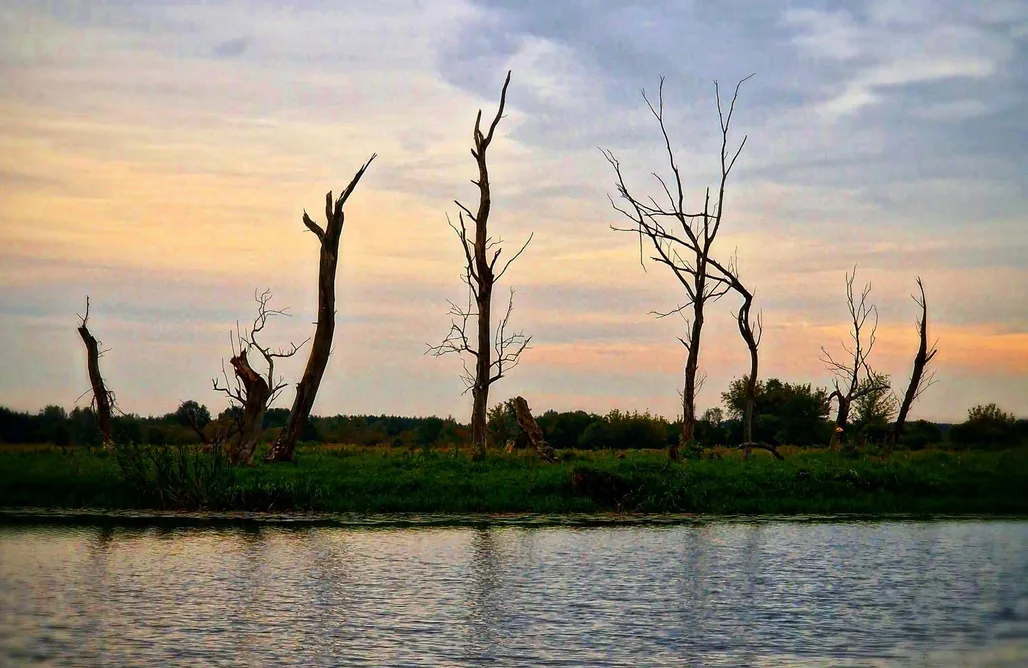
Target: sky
[(158, 157)]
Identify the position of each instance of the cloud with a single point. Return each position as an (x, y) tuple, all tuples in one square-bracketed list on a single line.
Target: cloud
[(231, 47), (158, 156)]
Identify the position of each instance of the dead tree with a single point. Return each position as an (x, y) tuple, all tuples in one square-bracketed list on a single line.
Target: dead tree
[(531, 428), (253, 391), (847, 380), (687, 253), (103, 399), (494, 355), (307, 388), (750, 329), (918, 381)]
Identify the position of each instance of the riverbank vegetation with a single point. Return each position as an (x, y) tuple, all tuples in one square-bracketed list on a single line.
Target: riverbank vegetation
[(331, 478)]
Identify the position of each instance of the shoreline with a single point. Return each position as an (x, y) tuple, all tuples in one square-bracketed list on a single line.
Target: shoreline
[(35, 516)]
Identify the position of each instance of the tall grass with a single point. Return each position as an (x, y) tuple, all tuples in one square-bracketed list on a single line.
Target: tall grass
[(359, 479)]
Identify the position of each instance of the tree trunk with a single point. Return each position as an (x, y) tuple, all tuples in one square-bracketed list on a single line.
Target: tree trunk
[(924, 355), (691, 368), (307, 388), (485, 277), (841, 419), (752, 343), (252, 425), (101, 395), (531, 428), (483, 366)]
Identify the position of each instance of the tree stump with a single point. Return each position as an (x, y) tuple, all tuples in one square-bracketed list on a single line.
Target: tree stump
[(532, 430)]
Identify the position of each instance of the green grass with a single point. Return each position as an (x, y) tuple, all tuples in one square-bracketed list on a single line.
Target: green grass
[(352, 479)]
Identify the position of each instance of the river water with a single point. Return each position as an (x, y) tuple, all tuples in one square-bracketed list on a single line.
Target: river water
[(775, 593)]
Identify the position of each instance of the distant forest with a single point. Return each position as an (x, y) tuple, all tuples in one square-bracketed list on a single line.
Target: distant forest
[(786, 414)]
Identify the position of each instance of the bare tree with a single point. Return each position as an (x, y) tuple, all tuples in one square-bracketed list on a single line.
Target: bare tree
[(103, 398), (918, 381), (253, 391), (848, 373), (307, 388), (687, 253), (494, 355), (750, 329)]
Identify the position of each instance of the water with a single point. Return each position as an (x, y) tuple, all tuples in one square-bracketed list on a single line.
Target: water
[(720, 593)]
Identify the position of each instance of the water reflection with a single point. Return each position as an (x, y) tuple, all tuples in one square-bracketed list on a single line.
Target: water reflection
[(717, 594)]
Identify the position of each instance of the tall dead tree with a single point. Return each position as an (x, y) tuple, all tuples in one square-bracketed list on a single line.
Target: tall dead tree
[(918, 381), (103, 399), (253, 391), (307, 388), (684, 242), (494, 355), (854, 377)]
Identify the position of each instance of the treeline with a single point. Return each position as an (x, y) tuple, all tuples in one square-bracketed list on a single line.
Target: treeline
[(785, 414)]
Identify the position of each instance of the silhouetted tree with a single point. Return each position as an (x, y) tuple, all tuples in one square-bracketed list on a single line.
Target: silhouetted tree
[(494, 355), (918, 381), (103, 398), (254, 392), (687, 253), (307, 388), (854, 377)]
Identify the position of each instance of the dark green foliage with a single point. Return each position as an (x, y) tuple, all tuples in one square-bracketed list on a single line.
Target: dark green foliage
[(275, 417), (191, 413), (502, 425), (919, 434), (621, 431), (987, 426), (784, 413), (356, 479), (563, 430), (178, 477)]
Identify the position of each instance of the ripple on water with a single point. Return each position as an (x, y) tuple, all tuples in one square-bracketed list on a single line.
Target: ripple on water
[(701, 592)]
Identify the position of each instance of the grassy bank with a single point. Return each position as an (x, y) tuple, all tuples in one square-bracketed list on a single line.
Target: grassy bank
[(351, 479)]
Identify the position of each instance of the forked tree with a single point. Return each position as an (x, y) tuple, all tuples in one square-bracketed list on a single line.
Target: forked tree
[(853, 375), (919, 382), (493, 354), (307, 388), (750, 329), (103, 398), (253, 391), (683, 241)]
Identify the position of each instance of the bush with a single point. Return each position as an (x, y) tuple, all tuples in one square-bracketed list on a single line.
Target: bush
[(986, 426), (623, 431), (919, 434), (783, 413)]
